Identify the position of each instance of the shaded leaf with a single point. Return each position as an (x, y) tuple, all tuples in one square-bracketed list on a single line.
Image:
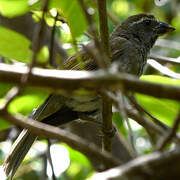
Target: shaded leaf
[(4, 124), (4, 88)]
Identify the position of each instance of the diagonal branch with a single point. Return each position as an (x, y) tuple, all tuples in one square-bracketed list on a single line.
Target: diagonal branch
[(171, 134), (48, 131), (153, 166)]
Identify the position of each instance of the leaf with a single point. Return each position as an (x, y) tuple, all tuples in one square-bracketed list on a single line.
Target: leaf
[(32, 98), (80, 167), (163, 109), (12, 8), (14, 45), (26, 103), (43, 55), (73, 14), (4, 88), (4, 124), (119, 123), (160, 79)]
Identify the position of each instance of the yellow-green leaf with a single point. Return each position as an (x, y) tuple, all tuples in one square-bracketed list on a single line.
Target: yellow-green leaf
[(14, 45), (163, 109)]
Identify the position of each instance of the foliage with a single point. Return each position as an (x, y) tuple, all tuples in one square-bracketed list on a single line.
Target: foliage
[(15, 46)]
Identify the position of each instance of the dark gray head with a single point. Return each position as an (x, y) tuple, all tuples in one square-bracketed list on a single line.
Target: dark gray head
[(144, 28)]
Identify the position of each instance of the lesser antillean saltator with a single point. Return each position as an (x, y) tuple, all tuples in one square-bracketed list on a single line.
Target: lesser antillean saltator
[(130, 44)]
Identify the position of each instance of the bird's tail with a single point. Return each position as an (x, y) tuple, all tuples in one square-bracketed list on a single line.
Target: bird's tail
[(51, 112), (22, 145), (19, 150)]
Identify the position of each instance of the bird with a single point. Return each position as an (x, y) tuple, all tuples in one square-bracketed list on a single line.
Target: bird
[(130, 44)]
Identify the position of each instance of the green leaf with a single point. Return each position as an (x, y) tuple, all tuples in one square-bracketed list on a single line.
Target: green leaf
[(14, 45), (161, 79), (12, 8), (4, 124), (73, 14), (80, 167), (119, 123), (43, 55), (163, 109), (4, 88), (26, 103), (32, 98)]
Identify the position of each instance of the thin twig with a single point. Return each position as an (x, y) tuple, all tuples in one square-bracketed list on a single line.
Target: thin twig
[(162, 69), (44, 170), (12, 93), (51, 54), (50, 160), (165, 59), (148, 125), (170, 134), (94, 33), (113, 17), (36, 43), (92, 52), (121, 107)]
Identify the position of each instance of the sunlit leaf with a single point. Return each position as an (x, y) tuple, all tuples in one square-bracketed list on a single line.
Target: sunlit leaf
[(163, 109), (11, 8), (14, 45), (73, 14), (43, 55), (26, 103)]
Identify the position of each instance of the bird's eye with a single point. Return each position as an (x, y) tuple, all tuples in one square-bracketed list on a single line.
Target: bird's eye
[(147, 22)]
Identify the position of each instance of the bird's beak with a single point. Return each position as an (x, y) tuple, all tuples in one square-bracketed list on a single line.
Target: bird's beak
[(163, 28)]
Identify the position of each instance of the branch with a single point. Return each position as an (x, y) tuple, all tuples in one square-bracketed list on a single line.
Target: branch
[(165, 59), (148, 125), (70, 80), (94, 34), (154, 166), (48, 131), (107, 105), (162, 69), (104, 33), (171, 134)]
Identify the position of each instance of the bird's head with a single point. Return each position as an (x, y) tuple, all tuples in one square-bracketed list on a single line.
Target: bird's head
[(144, 28)]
